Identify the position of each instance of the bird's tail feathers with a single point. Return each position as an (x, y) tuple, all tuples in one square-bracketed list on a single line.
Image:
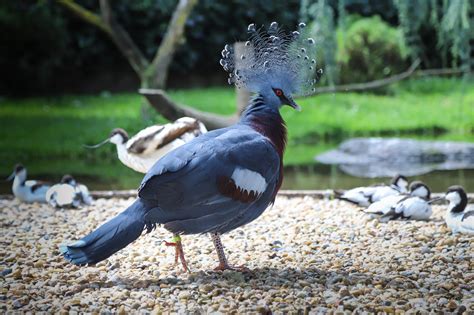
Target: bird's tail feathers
[(110, 237)]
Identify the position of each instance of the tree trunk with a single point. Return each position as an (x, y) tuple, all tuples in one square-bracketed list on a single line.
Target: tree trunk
[(159, 100), (157, 72)]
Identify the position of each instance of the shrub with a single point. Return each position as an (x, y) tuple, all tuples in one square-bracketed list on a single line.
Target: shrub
[(370, 49)]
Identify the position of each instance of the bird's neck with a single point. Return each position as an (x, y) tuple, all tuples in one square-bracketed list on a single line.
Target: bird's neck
[(457, 207), (19, 181), (122, 151), (267, 121)]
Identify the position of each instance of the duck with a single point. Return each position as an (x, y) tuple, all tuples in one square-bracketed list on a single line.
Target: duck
[(27, 190), (141, 151), (68, 194), (459, 216), (413, 206), (364, 196)]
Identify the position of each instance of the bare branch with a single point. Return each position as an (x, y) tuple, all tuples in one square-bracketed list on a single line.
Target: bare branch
[(124, 42), (172, 111), (86, 15), (369, 85), (442, 71), (173, 37)]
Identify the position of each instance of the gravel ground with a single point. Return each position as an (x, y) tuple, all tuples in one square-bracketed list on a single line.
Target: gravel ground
[(306, 255)]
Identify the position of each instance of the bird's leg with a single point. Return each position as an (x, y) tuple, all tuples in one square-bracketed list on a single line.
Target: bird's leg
[(179, 252), (223, 263)]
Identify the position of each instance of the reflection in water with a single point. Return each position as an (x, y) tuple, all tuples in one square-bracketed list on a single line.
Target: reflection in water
[(330, 177), (386, 157), (316, 176)]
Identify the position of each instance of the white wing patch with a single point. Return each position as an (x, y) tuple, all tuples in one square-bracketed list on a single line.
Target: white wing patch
[(249, 180)]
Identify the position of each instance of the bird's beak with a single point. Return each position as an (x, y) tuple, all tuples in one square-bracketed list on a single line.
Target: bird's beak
[(97, 145), (436, 199), (11, 177), (292, 103)]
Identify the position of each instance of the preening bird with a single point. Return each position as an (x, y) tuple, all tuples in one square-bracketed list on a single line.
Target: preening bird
[(68, 193), (225, 178), (413, 206), (364, 196), (459, 216), (27, 190), (150, 144)]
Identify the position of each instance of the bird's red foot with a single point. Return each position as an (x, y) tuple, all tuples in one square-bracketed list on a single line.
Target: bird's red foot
[(222, 267), (179, 252)]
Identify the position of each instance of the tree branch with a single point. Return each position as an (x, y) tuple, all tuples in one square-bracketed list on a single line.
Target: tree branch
[(86, 15), (368, 85), (172, 111), (124, 42), (158, 69), (442, 71)]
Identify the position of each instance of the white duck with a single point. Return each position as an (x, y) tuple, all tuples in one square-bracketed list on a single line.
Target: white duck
[(68, 193), (413, 206), (364, 196), (27, 190), (460, 215), (142, 151)]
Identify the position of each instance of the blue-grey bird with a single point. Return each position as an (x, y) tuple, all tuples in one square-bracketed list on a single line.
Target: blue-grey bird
[(225, 178)]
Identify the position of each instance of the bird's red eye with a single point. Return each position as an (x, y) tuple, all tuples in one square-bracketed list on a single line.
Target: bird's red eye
[(278, 92)]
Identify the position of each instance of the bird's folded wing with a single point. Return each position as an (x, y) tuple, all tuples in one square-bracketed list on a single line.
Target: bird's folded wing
[(210, 175), (145, 139), (467, 221), (156, 137), (36, 184)]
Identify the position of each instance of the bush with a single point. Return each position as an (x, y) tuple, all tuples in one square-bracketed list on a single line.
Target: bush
[(370, 49)]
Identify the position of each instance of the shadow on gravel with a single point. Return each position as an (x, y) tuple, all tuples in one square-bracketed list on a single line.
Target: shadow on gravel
[(270, 278)]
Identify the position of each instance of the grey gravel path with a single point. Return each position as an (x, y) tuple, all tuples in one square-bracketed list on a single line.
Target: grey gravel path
[(306, 255)]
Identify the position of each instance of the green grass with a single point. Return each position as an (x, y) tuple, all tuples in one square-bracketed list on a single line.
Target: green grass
[(41, 130)]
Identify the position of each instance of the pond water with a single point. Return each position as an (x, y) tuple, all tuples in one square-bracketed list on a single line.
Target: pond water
[(318, 176)]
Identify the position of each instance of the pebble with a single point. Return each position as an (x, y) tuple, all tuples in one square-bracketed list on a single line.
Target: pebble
[(333, 260)]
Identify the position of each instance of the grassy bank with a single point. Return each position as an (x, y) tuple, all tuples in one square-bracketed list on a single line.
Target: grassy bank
[(45, 129)]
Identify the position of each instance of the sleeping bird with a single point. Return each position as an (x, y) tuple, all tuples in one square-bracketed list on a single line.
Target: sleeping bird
[(459, 216), (68, 193), (27, 190), (225, 178), (412, 206), (364, 196)]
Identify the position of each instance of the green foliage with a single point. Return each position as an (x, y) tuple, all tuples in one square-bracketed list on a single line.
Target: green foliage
[(34, 44), (448, 20), (370, 49), (52, 46), (456, 21), (323, 30)]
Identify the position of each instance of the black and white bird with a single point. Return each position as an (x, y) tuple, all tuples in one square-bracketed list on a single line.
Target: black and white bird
[(27, 190), (412, 206), (460, 215), (364, 196), (142, 151), (68, 193)]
